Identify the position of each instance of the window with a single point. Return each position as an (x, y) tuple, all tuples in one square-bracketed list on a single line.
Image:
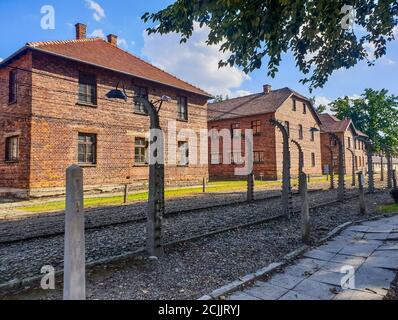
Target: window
[(333, 142), (87, 146), (234, 128), (87, 89), (287, 126), (301, 133), (256, 127), (140, 151), (182, 108), (12, 148), (258, 156), (355, 144), (356, 162), (12, 93), (294, 105), (304, 108), (349, 142), (183, 153), (313, 162), (139, 107), (312, 135), (236, 158)]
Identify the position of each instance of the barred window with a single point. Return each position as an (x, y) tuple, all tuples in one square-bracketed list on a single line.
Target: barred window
[(182, 108), (258, 157), (12, 148), (313, 162), (294, 105), (140, 151), (234, 128), (304, 108), (87, 148), (183, 153), (301, 133), (256, 127), (87, 89), (12, 93), (312, 135), (138, 106), (287, 126)]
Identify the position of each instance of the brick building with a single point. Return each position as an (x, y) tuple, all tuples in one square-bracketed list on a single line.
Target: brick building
[(55, 112), (254, 111), (348, 134)]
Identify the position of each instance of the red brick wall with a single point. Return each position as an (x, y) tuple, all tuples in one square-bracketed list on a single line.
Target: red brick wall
[(49, 145), (359, 150), (15, 120), (271, 142), (262, 142), (307, 120)]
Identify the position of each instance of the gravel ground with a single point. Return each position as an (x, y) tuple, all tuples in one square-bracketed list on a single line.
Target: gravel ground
[(190, 269), (393, 292)]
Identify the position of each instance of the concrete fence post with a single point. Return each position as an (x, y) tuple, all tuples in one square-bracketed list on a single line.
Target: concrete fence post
[(381, 167), (305, 211), (204, 185), (287, 198), (250, 187), (300, 160), (394, 178), (371, 180), (75, 253), (352, 166), (331, 169), (389, 171), (341, 187), (362, 204)]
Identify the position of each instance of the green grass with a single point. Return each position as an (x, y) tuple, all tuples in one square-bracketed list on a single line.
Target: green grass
[(390, 208), (218, 186)]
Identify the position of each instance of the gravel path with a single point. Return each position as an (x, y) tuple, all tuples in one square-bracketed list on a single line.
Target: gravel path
[(190, 269)]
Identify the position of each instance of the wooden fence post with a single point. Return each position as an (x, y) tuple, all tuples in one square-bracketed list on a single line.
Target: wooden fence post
[(74, 254)]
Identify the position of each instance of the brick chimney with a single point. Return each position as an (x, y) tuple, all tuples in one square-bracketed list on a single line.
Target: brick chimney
[(81, 31), (267, 88), (112, 39)]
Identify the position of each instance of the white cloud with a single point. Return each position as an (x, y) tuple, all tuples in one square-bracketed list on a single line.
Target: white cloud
[(122, 43), (370, 50), (97, 33), (240, 93), (194, 61), (322, 100), (99, 12)]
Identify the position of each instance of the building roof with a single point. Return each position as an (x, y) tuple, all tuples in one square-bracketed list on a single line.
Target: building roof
[(258, 103), (100, 53), (331, 124)]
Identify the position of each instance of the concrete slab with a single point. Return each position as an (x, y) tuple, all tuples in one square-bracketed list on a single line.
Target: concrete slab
[(299, 271), (316, 289), (348, 260), (376, 236), (382, 262), (359, 250), (312, 264), (293, 295), (393, 236), (337, 266), (333, 246), (241, 296), (357, 295), (319, 255), (328, 277), (388, 246), (285, 280), (360, 228), (265, 291), (374, 280)]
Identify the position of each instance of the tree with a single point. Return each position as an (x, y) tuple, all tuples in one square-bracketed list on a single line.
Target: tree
[(320, 109), (318, 33), (375, 113)]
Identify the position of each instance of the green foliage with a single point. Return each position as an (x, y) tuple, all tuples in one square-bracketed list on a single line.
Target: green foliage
[(253, 29), (375, 113), (321, 109)]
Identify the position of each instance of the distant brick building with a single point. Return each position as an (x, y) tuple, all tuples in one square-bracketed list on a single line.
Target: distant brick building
[(348, 134), (254, 112), (55, 112)]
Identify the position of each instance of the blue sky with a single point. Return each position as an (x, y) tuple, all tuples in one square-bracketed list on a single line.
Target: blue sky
[(194, 62)]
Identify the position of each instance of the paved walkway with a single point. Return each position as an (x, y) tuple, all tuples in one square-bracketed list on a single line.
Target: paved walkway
[(369, 251)]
